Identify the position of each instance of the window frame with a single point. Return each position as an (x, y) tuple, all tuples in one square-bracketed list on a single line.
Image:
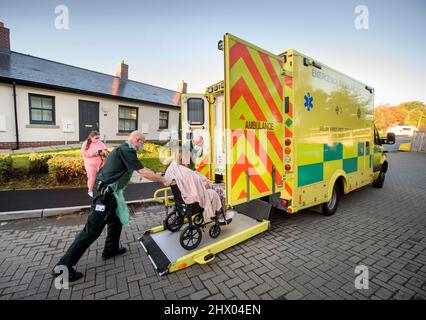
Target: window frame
[(204, 115), (53, 110), (137, 118), (167, 120)]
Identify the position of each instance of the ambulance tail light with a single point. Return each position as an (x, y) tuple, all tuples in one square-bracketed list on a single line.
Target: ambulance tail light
[(287, 142), (284, 203), (287, 150), (287, 167)]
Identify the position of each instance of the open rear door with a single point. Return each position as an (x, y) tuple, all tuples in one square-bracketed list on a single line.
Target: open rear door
[(254, 121), (196, 120)]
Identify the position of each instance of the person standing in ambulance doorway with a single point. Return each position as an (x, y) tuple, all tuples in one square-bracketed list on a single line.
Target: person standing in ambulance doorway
[(109, 207), (192, 151)]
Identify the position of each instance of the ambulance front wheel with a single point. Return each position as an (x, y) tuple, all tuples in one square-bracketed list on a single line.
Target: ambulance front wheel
[(378, 183), (330, 207)]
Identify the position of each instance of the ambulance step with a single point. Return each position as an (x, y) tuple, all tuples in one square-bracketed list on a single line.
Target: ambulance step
[(256, 209)]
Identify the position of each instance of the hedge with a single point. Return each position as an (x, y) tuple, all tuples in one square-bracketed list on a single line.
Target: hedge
[(151, 147), (5, 166), (67, 169), (38, 163)]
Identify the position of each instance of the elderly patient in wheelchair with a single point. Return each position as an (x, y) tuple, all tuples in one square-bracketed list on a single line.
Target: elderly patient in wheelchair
[(197, 201)]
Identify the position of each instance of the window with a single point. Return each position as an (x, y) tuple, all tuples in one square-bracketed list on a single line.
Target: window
[(42, 109), (195, 111), (127, 119), (164, 120)]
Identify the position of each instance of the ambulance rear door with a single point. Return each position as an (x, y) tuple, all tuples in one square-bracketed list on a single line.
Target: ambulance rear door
[(254, 121)]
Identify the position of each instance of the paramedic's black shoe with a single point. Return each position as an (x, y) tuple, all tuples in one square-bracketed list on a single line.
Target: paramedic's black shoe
[(110, 255), (73, 275)]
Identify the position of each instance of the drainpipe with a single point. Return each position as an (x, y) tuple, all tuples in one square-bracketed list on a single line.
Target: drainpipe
[(16, 116)]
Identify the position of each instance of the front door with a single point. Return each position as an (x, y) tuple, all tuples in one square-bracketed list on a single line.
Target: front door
[(88, 114)]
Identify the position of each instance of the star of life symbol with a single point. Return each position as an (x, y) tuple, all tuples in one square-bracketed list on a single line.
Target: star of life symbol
[(308, 101)]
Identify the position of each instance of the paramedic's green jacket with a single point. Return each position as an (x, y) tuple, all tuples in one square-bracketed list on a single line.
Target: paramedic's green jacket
[(116, 174), (122, 161)]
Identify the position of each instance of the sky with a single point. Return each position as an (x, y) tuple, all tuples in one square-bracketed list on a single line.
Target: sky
[(167, 41)]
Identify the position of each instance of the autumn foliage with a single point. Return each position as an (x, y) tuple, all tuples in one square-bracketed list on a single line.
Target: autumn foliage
[(408, 113)]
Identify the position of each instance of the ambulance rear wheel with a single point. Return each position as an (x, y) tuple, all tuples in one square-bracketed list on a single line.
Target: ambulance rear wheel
[(173, 221), (330, 207), (190, 237)]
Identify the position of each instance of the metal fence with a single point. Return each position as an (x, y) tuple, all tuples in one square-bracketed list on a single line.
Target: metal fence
[(419, 142)]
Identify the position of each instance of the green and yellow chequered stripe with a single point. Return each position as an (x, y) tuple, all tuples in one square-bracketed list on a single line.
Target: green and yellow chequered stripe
[(318, 162)]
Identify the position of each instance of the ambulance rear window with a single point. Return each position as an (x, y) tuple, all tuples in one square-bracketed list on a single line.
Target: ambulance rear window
[(195, 111)]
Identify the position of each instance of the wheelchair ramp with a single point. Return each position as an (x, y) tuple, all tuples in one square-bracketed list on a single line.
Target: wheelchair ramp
[(167, 255)]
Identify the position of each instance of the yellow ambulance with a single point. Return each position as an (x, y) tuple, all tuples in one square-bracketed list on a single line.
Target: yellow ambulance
[(282, 131), (287, 129)]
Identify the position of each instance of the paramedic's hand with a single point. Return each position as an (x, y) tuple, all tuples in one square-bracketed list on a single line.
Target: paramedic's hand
[(150, 175), (167, 182)]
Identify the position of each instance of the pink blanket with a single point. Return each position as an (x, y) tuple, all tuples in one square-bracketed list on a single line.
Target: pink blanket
[(193, 189)]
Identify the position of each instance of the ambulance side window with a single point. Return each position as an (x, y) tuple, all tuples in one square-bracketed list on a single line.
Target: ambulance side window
[(195, 111)]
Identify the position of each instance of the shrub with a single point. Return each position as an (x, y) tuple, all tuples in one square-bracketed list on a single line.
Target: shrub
[(67, 169), (5, 166), (151, 147), (150, 162), (38, 163)]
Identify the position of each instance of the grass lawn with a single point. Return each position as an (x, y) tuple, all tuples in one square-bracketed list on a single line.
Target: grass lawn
[(21, 179)]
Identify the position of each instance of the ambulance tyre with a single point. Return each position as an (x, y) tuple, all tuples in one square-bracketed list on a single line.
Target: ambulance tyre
[(173, 221), (330, 207), (378, 183), (190, 237), (214, 231)]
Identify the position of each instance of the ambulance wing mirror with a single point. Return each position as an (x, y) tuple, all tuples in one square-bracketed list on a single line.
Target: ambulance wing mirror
[(390, 138), (220, 45)]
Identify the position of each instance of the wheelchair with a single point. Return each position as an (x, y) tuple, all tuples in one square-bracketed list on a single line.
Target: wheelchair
[(191, 236)]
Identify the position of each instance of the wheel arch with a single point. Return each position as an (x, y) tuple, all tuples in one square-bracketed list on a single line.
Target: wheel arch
[(340, 178)]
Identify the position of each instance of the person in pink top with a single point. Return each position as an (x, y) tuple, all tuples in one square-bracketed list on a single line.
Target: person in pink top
[(93, 152)]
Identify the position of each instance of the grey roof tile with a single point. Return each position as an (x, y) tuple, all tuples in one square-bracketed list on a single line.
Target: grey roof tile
[(25, 68)]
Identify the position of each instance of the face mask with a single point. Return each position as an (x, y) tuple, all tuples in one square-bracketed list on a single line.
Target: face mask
[(141, 147)]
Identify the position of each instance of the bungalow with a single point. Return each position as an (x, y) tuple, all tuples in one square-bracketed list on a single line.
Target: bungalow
[(44, 102)]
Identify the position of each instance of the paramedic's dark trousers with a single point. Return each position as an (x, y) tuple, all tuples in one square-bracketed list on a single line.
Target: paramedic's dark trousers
[(96, 222)]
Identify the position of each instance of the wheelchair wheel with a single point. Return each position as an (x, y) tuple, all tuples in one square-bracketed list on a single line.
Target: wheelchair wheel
[(199, 219), (214, 231), (173, 221), (190, 237)]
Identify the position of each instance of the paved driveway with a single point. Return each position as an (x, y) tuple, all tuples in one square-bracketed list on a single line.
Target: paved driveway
[(303, 256)]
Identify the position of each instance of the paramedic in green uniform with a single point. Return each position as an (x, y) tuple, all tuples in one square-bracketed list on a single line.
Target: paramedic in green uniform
[(116, 173)]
